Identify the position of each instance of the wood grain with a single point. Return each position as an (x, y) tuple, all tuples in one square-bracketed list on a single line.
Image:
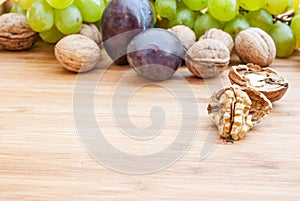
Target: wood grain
[(42, 157)]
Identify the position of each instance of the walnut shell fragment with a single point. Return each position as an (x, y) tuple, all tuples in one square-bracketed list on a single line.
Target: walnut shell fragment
[(220, 35), (235, 113), (15, 33), (266, 80), (207, 58), (77, 53)]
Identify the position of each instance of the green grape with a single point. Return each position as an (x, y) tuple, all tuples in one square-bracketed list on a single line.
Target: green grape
[(179, 4), (60, 4), (251, 5), (154, 11), (276, 7), (185, 17), (25, 4), (261, 19), (53, 35), (40, 16), (162, 23), (68, 20), (205, 22), (107, 1), (295, 25), (297, 11), (17, 9), (195, 4), (91, 10), (223, 10), (284, 39), (236, 25), (295, 5), (166, 8)]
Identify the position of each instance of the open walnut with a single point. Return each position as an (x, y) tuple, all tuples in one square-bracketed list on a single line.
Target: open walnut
[(266, 80), (235, 110)]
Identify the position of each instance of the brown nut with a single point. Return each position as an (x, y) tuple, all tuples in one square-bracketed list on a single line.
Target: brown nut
[(207, 57), (254, 45), (236, 110), (15, 33), (219, 35), (229, 109), (186, 35), (91, 31), (77, 53), (266, 80), (260, 104)]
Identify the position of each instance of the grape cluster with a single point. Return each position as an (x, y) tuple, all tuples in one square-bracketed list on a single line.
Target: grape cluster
[(235, 15), (55, 18)]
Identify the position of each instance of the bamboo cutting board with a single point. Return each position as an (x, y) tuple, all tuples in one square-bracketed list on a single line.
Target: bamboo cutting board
[(43, 158)]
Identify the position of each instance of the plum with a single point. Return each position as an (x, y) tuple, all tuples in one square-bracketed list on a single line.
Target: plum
[(121, 21), (155, 54)]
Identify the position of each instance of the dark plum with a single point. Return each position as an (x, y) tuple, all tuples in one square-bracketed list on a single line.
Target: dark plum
[(121, 21), (155, 54)]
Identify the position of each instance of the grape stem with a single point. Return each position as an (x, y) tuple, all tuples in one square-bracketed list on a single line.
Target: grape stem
[(285, 17)]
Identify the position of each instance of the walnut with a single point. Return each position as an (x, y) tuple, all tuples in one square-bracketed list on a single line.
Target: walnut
[(77, 53), (235, 113), (15, 33), (219, 35), (186, 35), (266, 80), (254, 45), (91, 31), (207, 57)]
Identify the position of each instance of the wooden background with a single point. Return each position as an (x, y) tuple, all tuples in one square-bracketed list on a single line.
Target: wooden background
[(42, 157)]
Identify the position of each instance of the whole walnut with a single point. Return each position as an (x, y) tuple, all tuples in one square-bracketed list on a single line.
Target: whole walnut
[(219, 35), (91, 31), (186, 35), (15, 33), (77, 53), (207, 58), (253, 45)]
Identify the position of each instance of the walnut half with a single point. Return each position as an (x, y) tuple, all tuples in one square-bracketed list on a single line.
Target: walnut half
[(266, 80), (235, 113)]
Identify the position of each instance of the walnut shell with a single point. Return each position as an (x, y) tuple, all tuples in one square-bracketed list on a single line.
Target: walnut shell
[(77, 53), (207, 58), (15, 33), (254, 45), (219, 35), (266, 80), (261, 105), (91, 31), (186, 35)]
